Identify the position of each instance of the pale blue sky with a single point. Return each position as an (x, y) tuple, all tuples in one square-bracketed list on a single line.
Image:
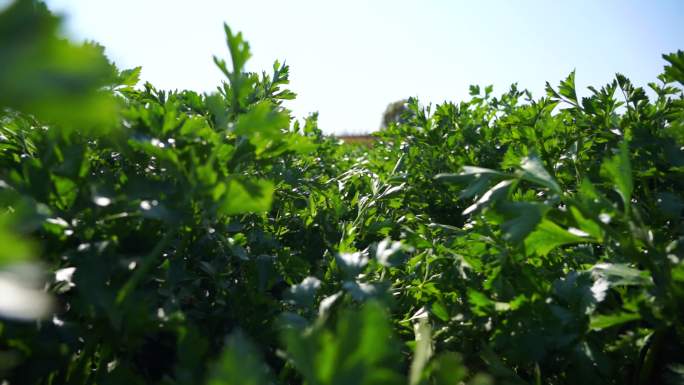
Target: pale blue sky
[(350, 59)]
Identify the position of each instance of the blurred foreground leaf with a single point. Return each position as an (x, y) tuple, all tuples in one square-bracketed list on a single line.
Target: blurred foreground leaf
[(46, 75)]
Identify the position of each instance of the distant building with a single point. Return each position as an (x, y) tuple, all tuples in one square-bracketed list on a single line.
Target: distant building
[(364, 139)]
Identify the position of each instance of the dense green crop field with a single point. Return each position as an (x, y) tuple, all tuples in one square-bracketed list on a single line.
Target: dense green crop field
[(153, 237)]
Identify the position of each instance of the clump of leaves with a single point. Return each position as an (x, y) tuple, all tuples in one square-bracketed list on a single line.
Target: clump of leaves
[(154, 237)]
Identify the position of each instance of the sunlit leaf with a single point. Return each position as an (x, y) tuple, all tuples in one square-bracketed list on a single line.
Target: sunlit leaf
[(619, 170), (304, 292), (533, 171), (604, 321), (245, 196), (548, 236)]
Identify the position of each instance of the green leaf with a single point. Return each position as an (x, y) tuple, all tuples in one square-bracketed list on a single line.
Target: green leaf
[(360, 350), (478, 178), (678, 272), (533, 171), (548, 236), (587, 225), (468, 173), (521, 218), (675, 70), (303, 293), (217, 105), (240, 83), (621, 274), (604, 321), (360, 291), (14, 248), (299, 144), (498, 367), (263, 125), (448, 369), (440, 311), (66, 191), (477, 187), (479, 303), (45, 75), (619, 170), (567, 88), (492, 195), (351, 263), (389, 253), (239, 364), (206, 174), (129, 77), (247, 196), (239, 49)]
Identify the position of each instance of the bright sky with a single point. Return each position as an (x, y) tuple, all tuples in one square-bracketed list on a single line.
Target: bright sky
[(349, 59)]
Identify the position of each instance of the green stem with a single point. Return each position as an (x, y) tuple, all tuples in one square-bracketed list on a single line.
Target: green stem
[(648, 362), (148, 262)]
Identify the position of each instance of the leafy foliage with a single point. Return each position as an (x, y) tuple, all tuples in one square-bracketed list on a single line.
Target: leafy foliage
[(154, 237)]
